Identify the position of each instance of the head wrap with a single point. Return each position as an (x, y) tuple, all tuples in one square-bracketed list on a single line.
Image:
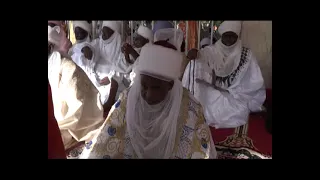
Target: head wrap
[(146, 33), (174, 36), (205, 41), (233, 26), (84, 25)]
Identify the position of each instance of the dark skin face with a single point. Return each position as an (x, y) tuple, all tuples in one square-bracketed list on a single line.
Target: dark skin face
[(80, 33), (153, 90), (229, 38), (106, 33), (139, 41)]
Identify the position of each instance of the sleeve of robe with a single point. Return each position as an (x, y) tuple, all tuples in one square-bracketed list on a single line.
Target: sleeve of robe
[(229, 110), (102, 144), (80, 104)]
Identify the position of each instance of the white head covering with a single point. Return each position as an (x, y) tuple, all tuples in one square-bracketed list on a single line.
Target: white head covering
[(153, 128), (111, 58), (226, 58), (114, 25), (234, 26), (84, 25), (205, 41), (175, 36), (146, 33), (54, 35), (166, 65)]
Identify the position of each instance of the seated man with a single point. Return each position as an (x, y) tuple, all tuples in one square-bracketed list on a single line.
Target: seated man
[(142, 37), (155, 117), (109, 62), (76, 101), (236, 85), (82, 31)]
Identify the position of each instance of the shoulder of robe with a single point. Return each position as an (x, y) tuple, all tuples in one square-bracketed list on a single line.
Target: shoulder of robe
[(247, 50), (192, 99)]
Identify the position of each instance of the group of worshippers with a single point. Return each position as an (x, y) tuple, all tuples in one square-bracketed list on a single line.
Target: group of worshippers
[(150, 91)]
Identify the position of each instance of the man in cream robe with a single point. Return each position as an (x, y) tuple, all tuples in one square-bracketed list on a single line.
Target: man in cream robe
[(156, 117), (76, 101), (227, 79)]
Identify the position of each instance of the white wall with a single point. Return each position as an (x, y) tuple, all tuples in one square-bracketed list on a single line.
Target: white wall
[(257, 35)]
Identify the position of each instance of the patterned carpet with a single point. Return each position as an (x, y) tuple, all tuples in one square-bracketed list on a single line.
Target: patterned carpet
[(250, 141)]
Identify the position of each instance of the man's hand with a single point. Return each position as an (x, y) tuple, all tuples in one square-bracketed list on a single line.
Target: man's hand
[(127, 49), (192, 54), (87, 52), (112, 95), (104, 81)]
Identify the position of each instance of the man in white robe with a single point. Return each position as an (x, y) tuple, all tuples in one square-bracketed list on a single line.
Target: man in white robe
[(76, 101), (143, 36), (109, 62), (83, 34), (156, 118), (229, 84)]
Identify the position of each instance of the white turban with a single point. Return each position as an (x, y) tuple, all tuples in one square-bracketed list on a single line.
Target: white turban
[(175, 36), (84, 25), (54, 35), (205, 41), (160, 62), (114, 25), (234, 26), (146, 33)]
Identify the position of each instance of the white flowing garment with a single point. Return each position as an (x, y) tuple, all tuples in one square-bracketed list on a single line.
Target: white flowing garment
[(227, 109), (152, 128), (76, 101), (237, 71), (110, 62)]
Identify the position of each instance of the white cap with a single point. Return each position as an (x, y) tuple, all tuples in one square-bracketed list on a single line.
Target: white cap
[(205, 41), (146, 33), (175, 36), (84, 25), (233, 26), (114, 25), (160, 62)]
